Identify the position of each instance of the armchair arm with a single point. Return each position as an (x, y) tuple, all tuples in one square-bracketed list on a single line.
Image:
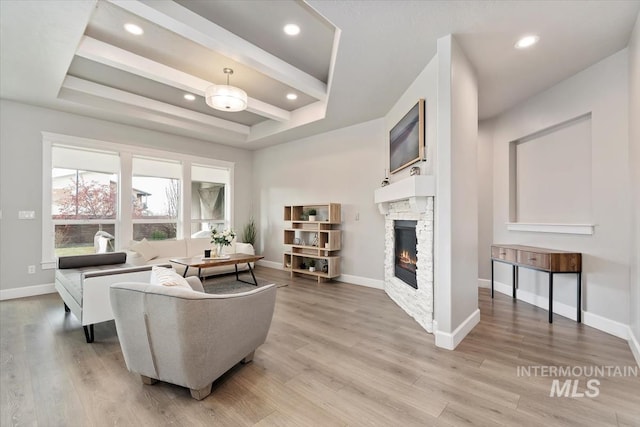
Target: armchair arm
[(195, 283)]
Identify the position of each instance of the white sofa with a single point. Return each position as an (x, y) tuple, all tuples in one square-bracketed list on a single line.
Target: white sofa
[(150, 252)]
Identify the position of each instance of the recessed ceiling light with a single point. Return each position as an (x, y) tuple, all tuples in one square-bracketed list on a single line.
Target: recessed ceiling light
[(291, 29), (189, 97), (527, 41), (292, 96), (133, 29)]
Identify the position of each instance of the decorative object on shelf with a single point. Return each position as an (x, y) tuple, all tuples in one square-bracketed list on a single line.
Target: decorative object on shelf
[(312, 214), (312, 265), (304, 216), (207, 253), (314, 242), (221, 239), (297, 241), (226, 97), (385, 181), (406, 139), (288, 265), (325, 267), (414, 171), (249, 232)]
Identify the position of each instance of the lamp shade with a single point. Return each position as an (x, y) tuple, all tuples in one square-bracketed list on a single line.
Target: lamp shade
[(226, 98)]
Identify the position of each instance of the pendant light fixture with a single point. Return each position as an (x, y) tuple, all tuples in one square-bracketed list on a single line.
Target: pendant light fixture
[(225, 97)]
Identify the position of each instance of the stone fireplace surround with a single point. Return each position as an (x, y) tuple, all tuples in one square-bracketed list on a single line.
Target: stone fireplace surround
[(410, 199)]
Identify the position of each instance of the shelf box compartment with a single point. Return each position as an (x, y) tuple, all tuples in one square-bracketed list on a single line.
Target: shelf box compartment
[(289, 236), (333, 264), (328, 213), (287, 261), (330, 237)]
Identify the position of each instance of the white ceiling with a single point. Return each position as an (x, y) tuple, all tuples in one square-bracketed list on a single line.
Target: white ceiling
[(351, 62)]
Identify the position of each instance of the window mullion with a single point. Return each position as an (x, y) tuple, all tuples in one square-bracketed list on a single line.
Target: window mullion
[(124, 227), (184, 217)]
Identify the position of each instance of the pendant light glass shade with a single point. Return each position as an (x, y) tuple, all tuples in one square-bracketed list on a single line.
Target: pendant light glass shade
[(225, 97)]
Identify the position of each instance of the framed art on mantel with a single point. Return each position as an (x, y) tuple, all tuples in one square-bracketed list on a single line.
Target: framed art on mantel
[(406, 139)]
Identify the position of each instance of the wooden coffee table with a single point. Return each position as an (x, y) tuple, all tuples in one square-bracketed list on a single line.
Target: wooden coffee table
[(233, 259)]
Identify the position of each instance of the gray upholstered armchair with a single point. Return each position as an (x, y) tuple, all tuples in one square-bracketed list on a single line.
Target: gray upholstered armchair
[(186, 337)]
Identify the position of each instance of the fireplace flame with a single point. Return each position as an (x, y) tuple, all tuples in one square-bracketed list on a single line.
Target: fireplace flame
[(406, 259)]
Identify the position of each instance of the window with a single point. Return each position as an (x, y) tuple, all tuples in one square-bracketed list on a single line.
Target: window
[(208, 199), (84, 200), (155, 198), (98, 200)]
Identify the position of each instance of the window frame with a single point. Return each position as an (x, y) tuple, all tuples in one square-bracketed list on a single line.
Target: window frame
[(124, 221)]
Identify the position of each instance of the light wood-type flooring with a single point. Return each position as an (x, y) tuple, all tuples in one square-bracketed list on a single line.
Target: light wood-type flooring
[(336, 355)]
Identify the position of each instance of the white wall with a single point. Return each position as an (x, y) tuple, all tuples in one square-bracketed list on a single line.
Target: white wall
[(634, 166), (343, 166), (456, 202), (485, 198), (21, 177), (601, 90)]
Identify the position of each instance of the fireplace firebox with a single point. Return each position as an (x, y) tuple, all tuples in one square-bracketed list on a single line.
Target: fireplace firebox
[(406, 257)]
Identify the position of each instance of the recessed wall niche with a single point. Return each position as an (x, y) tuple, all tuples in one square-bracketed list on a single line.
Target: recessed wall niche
[(550, 175)]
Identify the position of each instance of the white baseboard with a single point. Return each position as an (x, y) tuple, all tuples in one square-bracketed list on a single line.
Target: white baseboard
[(603, 324), (539, 301), (634, 344), (346, 278), (609, 326), (451, 340), (270, 264), (27, 291), (361, 281), (484, 283)]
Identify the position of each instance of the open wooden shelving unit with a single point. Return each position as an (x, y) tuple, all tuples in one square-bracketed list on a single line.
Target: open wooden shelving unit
[(320, 240)]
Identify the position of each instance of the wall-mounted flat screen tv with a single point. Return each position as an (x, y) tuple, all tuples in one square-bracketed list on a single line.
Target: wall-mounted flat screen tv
[(406, 139)]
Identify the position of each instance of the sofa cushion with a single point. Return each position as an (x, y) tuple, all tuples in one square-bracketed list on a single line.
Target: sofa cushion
[(245, 248), (170, 248), (167, 277), (91, 260), (71, 280), (146, 250), (196, 247)]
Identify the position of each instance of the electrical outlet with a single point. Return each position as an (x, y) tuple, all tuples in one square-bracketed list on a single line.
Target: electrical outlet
[(31, 269), (26, 214)]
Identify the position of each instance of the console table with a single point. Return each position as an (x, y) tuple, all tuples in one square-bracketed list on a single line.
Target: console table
[(549, 260)]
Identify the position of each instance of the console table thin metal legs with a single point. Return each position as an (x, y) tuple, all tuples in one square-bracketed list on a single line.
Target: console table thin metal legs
[(514, 282)]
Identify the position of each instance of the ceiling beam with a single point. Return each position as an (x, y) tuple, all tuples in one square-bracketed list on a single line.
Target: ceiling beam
[(182, 21), (101, 91), (103, 53)]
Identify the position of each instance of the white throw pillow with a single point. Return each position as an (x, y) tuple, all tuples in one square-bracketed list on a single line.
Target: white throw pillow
[(145, 249), (167, 277)]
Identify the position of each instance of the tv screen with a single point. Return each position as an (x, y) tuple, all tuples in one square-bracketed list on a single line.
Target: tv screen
[(406, 139)]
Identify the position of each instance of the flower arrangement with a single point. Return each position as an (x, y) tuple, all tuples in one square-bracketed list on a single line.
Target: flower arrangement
[(223, 238)]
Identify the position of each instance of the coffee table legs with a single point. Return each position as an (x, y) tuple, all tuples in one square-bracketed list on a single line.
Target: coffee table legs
[(255, 282)]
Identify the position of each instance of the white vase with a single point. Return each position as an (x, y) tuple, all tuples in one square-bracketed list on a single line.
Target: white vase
[(312, 217), (312, 269)]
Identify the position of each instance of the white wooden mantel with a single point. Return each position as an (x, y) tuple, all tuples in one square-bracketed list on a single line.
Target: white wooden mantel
[(415, 189)]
